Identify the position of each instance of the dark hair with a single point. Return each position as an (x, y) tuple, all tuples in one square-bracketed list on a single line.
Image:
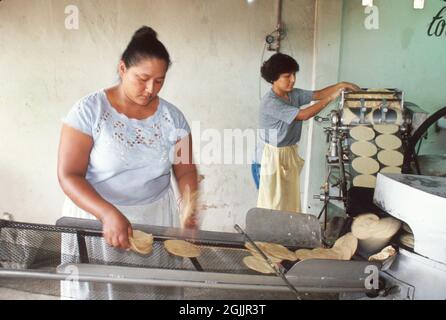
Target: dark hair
[(278, 64), (144, 44)]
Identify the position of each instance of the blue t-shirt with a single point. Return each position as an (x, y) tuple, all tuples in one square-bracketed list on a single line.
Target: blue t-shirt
[(278, 126), (131, 160)]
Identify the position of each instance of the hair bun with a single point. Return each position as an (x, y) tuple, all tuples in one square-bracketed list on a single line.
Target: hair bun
[(145, 31)]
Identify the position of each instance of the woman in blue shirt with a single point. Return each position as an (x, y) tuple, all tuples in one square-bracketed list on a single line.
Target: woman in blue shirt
[(278, 164)]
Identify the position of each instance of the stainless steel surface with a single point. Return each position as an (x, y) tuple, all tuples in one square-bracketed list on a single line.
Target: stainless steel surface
[(432, 164), (288, 229), (425, 275), (414, 115), (423, 209), (221, 261), (420, 274), (372, 107), (278, 269)]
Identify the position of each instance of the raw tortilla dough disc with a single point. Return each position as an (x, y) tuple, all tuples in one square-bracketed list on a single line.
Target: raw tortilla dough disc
[(365, 180), (379, 90), (391, 158), (257, 264), (386, 128), (388, 142), (365, 165), (363, 224), (348, 243), (182, 248), (391, 170), (362, 133), (348, 116), (364, 149), (141, 242)]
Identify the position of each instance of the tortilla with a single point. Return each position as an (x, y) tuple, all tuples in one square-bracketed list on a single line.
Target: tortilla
[(364, 149), (365, 181), (182, 248), (365, 165), (348, 243), (385, 253), (271, 258), (408, 240), (321, 253), (303, 254), (369, 226), (390, 158), (141, 242), (388, 142), (363, 224), (391, 170), (362, 133), (385, 228), (275, 252), (280, 252), (257, 264), (325, 254), (386, 128)]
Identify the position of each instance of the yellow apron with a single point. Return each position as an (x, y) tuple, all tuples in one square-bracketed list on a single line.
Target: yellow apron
[(279, 179)]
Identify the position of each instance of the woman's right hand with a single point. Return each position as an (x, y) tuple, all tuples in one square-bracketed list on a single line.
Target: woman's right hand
[(334, 95), (116, 229)]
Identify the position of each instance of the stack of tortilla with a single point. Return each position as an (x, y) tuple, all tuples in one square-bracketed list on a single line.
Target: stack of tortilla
[(374, 233), (390, 144), (141, 242), (364, 149)]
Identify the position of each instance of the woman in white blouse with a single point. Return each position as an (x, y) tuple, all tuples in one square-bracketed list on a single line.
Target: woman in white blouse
[(119, 146)]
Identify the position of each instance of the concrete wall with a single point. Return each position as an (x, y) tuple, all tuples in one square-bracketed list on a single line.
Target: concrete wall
[(216, 48)]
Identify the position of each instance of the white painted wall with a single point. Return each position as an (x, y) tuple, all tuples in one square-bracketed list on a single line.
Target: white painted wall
[(216, 46), (327, 44)]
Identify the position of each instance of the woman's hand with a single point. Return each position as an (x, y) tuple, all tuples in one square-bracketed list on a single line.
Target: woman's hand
[(348, 86), (342, 86), (335, 94), (189, 209), (116, 229)]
